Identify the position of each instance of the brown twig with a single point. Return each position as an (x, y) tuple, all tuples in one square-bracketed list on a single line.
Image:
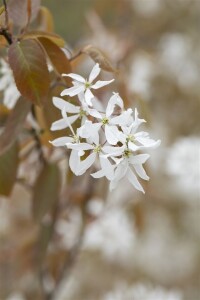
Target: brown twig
[(75, 56)]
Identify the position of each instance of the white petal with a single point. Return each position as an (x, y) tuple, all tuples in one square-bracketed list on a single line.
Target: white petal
[(94, 113), (113, 151), (124, 119), (148, 143), (86, 164), (100, 84), (61, 141), (98, 174), (94, 73), (60, 103), (114, 100), (132, 146), (107, 167), (74, 161), (63, 123), (88, 97), (134, 181), (139, 159), (80, 146), (112, 134), (58, 125), (75, 76), (72, 91), (141, 172)]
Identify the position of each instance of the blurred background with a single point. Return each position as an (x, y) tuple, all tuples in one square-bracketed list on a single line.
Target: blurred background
[(134, 247)]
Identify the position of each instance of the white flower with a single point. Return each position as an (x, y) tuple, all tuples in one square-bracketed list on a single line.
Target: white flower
[(8, 86), (81, 84), (110, 122), (78, 112), (136, 141)]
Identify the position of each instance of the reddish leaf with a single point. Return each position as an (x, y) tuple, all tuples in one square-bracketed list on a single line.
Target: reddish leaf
[(45, 19), (57, 57), (46, 191), (28, 62), (14, 124), (8, 170), (56, 39), (99, 57), (19, 12)]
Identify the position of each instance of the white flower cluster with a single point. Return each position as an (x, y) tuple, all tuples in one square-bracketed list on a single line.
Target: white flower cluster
[(109, 135)]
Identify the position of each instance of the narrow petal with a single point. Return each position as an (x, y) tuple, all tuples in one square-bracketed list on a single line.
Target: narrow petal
[(60, 103), (132, 146), (100, 84), (88, 97), (72, 91), (112, 134), (74, 162), (63, 123), (61, 141), (124, 119), (139, 159), (98, 174), (148, 143), (94, 73), (114, 100), (86, 164), (134, 181), (58, 125), (107, 167), (113, 151), (141, 172), (75, 77), (80, 146)]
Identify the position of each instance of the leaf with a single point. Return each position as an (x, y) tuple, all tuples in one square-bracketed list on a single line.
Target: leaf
[(45, 19), (99, 57), (46, 191), (8, 169), (57, 57), (18, 11), (14, 124), (56, 39), (28, 62)]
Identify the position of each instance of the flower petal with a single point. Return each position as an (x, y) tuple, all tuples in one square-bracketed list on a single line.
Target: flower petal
[(107, 167), (134, 181), (60, 103), (141, 172), (86, 164), (63, 123), (139, 159), (114, 100), (94, 73), (75, 77), (88, 97), (112, 134), (74, 90), (80, 146), (74, 162), (100, 84), (61, 141)]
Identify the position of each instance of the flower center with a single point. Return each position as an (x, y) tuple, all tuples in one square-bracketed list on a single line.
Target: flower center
[(97, 149), (87, 85), (82, 113), (130, 138), (105, 121), (75, 139), (127, 153)]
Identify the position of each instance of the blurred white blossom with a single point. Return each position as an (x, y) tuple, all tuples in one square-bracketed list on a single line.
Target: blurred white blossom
[(8, 86)]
